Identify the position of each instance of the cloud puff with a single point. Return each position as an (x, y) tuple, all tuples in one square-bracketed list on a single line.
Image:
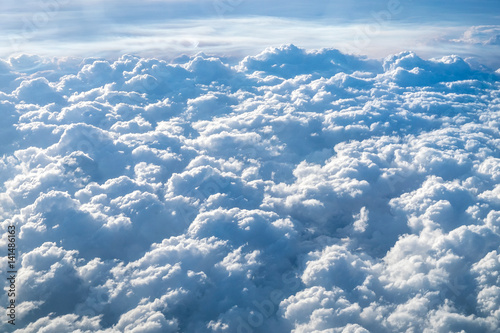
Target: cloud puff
[(295, 191), (484, 34)]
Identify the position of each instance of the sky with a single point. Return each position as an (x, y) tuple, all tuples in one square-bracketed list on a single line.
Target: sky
[(250, 167), (235, 28)]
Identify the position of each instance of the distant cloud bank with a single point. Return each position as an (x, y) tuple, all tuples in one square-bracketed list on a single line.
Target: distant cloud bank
[(237, 28)]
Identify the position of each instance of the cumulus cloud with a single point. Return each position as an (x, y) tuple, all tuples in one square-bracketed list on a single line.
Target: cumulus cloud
[(483, 34), (296, 191)]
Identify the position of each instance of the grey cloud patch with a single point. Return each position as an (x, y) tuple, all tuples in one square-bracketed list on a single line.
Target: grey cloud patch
[(294, 191)]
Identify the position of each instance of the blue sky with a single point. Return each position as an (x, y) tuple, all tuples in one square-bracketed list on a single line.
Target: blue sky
[(239, 27)]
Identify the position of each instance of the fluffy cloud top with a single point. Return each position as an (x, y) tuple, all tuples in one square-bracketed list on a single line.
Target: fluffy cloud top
[(303, 191)]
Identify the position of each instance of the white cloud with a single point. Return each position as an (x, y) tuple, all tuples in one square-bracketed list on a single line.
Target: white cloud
[(294, 191)]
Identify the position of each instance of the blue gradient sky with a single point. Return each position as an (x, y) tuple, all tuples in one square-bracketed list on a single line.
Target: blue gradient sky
[(240, 27)]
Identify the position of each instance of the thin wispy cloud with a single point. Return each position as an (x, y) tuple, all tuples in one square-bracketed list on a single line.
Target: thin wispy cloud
[(224, 27)]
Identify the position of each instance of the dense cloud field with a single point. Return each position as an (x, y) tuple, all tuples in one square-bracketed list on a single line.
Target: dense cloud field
[(304, 191)]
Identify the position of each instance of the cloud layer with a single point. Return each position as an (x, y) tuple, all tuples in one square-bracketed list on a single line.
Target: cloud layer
[(304, 191)]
